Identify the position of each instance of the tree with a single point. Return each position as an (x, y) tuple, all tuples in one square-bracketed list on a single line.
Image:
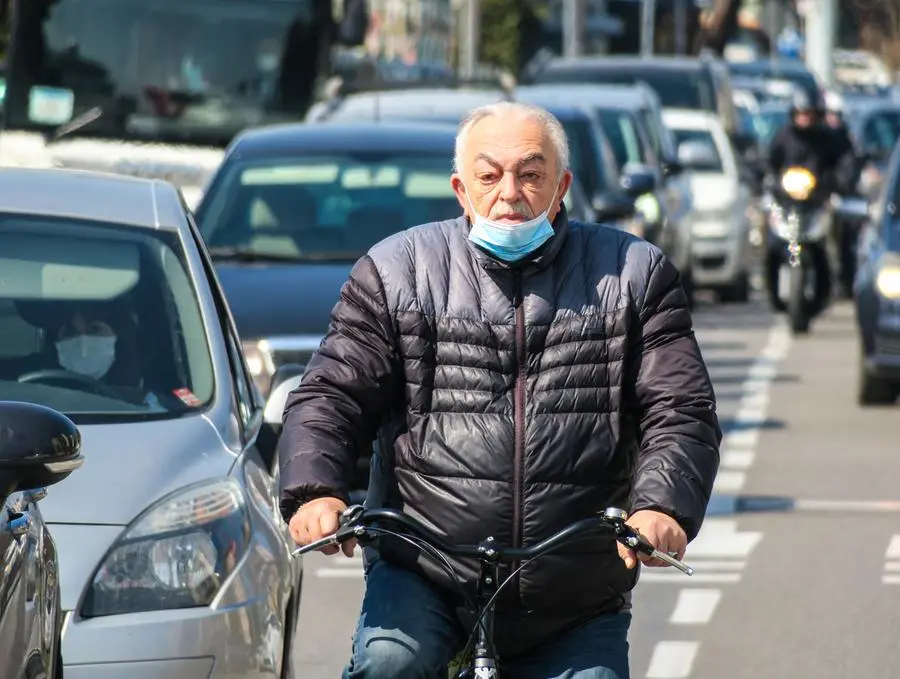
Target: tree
[(510, 33), (879, 29), (720, 26)]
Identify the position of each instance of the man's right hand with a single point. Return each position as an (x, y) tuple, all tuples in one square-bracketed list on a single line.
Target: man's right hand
[(317, 519)]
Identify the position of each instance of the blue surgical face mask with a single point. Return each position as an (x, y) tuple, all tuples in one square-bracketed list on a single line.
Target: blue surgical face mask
[(511, 242)]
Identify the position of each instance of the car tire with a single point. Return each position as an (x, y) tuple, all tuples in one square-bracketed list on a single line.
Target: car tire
[(738, 292), (873, 390)]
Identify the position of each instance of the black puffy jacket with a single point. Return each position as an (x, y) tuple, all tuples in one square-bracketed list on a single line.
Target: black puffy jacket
[(514, 400)]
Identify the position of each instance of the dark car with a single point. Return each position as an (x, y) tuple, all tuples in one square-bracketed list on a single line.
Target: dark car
[(39, 447), (874, 127), (877, 294), (777, 78), (680, 82), (631, 146), (447, 104)]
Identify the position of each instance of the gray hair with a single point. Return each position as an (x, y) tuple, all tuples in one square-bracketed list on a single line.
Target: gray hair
[(547, 120)]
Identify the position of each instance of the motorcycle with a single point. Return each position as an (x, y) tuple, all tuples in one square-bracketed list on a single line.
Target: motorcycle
[(798, 274)]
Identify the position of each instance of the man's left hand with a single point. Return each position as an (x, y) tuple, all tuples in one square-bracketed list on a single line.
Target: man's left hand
[(661, 531)]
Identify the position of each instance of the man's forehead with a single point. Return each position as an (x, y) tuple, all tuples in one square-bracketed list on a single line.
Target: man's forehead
[(509, 139)]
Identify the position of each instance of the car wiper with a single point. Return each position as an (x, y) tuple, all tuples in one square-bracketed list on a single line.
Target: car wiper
[(235, 254), (77, 123)]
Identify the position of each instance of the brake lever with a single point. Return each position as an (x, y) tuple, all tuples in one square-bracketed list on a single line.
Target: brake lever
[(347, 518), (632, 539)]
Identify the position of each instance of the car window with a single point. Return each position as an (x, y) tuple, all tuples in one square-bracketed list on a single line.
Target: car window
[(101, 322), (881, 131), (583, 154), (676, 88), (707, 139), (623, 136), (325, 206)]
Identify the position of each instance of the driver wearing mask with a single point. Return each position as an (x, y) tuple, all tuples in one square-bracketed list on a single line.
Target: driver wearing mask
[(91, 341)]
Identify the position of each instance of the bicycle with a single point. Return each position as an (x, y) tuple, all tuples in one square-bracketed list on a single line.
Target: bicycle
[(367, 524)]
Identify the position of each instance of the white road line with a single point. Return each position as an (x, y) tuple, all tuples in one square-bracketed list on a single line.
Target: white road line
[(729, 482), (893, 550), (890, 579), (892, 567), (338, 573), (738, 459), (672, 659), (671, 576), (695, 606)]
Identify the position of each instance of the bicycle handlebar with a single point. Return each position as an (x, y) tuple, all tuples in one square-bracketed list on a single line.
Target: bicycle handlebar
[(357, 520)]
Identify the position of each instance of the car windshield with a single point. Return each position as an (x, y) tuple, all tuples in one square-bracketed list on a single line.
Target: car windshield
[(323, 207), (767, 123), (676, 88), (100, 322), (881, 131), (196, 71), (704, 137), (623, 136), (778, 81)]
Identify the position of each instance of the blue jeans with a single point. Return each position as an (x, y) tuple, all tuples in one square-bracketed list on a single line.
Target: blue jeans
[(408, 630)]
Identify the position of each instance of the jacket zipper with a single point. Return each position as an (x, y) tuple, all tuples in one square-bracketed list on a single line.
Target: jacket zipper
[(519, 418)]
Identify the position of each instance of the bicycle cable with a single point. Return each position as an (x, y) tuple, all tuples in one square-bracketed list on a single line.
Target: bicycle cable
[(479, 621), (429, 550)]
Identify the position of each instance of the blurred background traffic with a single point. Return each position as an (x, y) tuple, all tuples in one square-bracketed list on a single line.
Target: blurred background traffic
[(295, 134)]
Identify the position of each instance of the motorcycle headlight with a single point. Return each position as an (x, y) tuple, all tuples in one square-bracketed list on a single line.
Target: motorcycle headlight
[(260, 363), (798, 182), (177, 554)]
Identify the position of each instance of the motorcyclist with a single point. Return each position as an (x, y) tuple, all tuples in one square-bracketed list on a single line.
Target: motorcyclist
[(807, 142)]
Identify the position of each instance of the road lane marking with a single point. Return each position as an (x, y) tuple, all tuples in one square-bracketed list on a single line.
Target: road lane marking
[(739, 444), (893, 550), (695, 606), (672, 659)]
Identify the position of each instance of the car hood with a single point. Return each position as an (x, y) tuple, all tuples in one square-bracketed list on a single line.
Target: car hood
[(129, 466), (269, 300), (712, 191)]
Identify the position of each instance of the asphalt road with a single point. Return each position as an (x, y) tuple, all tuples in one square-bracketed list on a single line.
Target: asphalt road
[(798, 563)]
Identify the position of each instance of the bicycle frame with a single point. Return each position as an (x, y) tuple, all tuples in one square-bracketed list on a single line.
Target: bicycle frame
[(484, 662), (356, 522)]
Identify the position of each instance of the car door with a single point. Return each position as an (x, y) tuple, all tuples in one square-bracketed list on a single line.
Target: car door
[(24, 643)]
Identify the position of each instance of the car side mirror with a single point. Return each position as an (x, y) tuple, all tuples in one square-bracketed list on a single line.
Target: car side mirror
[(612, 206), (636, 180), (39, 447), (672, 167), (286, 378)]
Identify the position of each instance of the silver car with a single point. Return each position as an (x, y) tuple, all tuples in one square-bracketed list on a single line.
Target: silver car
[(174, 561)]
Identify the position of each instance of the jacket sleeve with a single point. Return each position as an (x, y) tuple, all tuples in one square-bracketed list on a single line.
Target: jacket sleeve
[(678, 429), (346, 391)]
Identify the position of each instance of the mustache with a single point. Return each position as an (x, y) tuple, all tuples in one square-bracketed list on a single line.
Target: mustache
[(520, 207)]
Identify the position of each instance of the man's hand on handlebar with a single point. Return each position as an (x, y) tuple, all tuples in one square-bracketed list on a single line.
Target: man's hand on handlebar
[(661, 531), (317, 519)]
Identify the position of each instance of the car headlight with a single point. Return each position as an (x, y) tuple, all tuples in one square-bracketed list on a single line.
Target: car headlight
[(260, 363), (888, 280), (177, 554), (648, 206)]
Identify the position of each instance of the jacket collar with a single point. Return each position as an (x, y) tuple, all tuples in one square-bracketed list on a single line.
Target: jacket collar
[(537, 260)]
